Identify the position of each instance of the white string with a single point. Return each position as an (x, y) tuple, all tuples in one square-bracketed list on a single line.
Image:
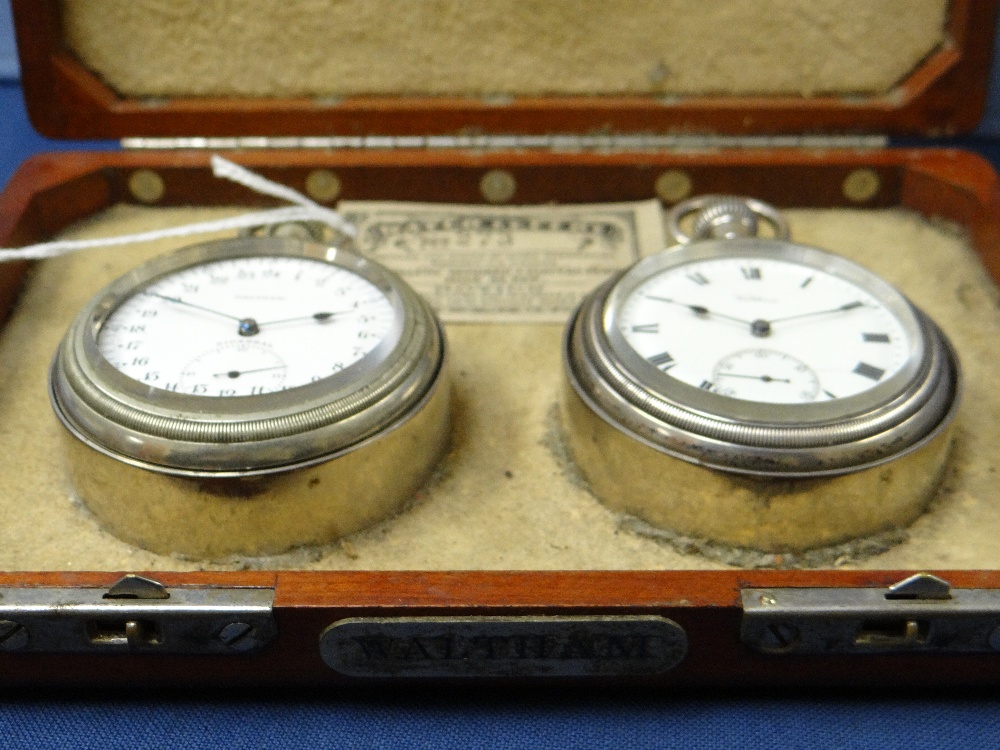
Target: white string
[(303, 210), (234, 172)]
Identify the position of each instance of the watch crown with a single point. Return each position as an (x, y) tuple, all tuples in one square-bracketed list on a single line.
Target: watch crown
[(726, 219), (721, 217)]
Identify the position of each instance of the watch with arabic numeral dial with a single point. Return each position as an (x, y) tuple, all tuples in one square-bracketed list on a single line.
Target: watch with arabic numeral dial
[(756, 392), (251, 395)]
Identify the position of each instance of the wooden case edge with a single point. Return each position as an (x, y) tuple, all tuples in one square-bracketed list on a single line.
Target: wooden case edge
[(944, 95), (51, 191)]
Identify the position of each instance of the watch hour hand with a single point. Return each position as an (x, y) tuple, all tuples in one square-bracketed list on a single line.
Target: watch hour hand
[(700, 310), (319, 317), (760, 328)]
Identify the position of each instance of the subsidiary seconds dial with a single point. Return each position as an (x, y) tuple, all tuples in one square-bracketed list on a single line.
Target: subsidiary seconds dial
[(246, 326)]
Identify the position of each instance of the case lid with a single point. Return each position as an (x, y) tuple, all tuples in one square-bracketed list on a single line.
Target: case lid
[(311, 68)]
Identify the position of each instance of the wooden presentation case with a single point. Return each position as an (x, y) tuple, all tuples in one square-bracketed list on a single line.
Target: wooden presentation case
[(52, 191)]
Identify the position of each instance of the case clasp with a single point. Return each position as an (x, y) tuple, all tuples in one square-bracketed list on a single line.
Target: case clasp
[(921, 613), (136, 615)]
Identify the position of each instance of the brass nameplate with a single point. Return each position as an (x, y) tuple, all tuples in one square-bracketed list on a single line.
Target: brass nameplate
[(503, 646)]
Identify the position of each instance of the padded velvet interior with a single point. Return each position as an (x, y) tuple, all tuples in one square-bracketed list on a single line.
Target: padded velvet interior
[(505, 498), (335, 48)]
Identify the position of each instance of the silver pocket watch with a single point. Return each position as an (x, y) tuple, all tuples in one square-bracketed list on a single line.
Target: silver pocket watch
[(246, 396), (755, 391)]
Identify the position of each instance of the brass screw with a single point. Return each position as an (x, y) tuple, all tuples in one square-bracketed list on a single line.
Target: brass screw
[(995, 638), (13, 635), (861, 185), (780, 636), (674, 185), (238, 636), (322, 185), (498, 186), (146, 186)]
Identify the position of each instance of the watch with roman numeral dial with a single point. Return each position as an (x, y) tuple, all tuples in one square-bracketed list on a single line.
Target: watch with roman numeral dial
[(249, 395), (764, 361)]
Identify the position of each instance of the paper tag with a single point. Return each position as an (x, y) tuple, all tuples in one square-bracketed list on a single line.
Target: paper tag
[(511, 264)]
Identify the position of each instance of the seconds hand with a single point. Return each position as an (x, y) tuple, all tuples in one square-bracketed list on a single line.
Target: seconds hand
[(237, 373), (764, 378)]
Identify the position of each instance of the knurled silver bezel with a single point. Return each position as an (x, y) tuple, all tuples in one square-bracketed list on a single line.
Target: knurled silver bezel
[(178, 433)]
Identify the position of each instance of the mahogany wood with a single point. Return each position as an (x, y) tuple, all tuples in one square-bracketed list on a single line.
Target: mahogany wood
[(51, 191), (944, 95)]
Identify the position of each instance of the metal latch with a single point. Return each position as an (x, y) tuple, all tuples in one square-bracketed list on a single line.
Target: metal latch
[(558, 142), (136, 615), (919, 614)]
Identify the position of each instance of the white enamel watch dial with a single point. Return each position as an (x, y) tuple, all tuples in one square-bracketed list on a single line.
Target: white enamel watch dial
[(764, 329), (246, 326), (251, 395)]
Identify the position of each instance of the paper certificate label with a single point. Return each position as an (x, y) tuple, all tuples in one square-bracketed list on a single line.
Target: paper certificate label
[(505, 263)]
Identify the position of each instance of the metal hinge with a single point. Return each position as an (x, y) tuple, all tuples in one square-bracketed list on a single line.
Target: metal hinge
[(136, 615), (919, 614), (557, 143)]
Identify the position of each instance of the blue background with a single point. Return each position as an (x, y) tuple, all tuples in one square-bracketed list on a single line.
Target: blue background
[(467, 720)]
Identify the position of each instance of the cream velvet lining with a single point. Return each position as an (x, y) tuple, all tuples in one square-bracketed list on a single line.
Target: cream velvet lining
[(504, 498), (334, 48)]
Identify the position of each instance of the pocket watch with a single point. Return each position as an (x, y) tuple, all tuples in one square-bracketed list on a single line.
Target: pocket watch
[(250, 395), (757, 392)]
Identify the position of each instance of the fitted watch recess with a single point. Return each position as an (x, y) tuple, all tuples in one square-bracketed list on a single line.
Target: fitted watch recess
[(250, 395), (755, 391)]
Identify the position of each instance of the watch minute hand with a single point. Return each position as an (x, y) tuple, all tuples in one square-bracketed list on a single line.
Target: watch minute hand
[(843, 308), (179, 301)]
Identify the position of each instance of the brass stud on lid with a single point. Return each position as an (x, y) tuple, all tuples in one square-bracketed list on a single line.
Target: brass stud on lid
[(146, 186), (861, 185), (322, 185), (673, 186), (498, 186)]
